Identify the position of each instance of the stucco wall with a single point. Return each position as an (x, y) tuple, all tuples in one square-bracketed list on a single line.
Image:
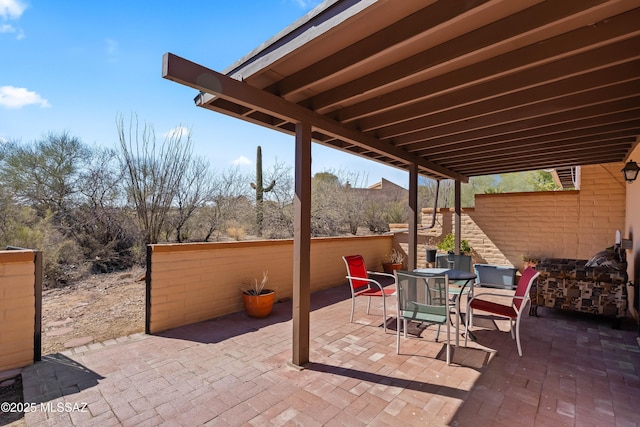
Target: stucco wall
[(195, 282), (17, 309), (632, 223), (484, 250)]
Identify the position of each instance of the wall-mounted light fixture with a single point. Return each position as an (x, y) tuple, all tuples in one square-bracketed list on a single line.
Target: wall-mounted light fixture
[(630, 171)]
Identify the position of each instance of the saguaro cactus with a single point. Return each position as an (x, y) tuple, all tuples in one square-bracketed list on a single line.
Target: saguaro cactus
[(260, 190)]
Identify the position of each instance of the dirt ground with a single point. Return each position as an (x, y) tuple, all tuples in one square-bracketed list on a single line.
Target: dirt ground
[(102, 307)]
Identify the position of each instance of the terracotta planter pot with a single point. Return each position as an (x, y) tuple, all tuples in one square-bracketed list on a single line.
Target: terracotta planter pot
[(389, 267), (259, 305)]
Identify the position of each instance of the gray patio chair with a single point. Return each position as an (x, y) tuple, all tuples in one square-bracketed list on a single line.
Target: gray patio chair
[(422, 297), (455, 262)]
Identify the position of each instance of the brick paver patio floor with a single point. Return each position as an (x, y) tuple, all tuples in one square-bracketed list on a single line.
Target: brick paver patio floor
[(234, 371)]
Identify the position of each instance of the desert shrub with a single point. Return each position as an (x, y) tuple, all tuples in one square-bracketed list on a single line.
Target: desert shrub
[(236, 231), (375, 218), (396, 212), (63, 260), (278, 221), (106, 237), (21, 227)]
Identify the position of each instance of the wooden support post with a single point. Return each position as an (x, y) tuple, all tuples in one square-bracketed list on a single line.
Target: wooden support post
[(458, 214), (37, 335), (147, 293), (412, 261), (302, 245)]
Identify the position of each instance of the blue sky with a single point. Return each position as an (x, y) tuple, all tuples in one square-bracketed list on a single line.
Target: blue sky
[(74, 66)]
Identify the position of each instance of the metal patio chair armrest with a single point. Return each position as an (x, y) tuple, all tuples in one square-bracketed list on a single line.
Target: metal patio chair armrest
[(362, 285), (365, 280), (493, 295), (502, 310), (379, 273)]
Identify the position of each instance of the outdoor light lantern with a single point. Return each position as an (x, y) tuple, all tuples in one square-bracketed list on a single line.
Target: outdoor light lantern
[(630, 171)]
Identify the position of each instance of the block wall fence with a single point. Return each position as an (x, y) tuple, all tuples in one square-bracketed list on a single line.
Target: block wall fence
[(20, 299), (189, 283), (503, 227)]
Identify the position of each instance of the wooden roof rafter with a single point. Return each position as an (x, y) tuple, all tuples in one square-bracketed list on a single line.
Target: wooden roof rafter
[(223, 87), (433, 81)]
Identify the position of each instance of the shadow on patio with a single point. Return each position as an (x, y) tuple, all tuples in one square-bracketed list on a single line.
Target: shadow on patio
[(229, 326), (234, 370)]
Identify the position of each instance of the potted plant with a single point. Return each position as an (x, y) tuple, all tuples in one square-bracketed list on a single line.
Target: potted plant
[(451, 260), (258, 301), (393, 261), (448, 245), (529, 261)]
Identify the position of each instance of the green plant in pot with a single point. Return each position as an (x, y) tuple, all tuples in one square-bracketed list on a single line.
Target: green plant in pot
[(448, 245), (258, 301), (393, 261), (530, 261)]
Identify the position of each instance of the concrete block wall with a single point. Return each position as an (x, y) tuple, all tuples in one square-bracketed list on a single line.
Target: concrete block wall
[(17, 309), (504, 227), (190, 283), (602, 207), (541, 225), (485, 251), (559, 224)]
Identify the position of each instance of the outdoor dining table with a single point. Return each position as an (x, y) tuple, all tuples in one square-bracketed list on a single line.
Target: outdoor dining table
[(454, 290)]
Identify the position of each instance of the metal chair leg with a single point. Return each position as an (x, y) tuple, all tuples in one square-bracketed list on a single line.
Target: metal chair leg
[(384, 313)]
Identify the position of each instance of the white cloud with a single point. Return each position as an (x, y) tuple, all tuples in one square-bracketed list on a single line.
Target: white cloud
[(177, 133), (241, 161), (18, 97), (12, 9), (10, 29), (307, 4)]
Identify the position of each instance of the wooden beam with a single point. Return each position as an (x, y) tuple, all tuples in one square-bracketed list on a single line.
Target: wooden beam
[(190, 74), (454, 134), (473, 116), (458, 215), (411, 27), (147, 292), (512, 91), (37, 287), (541, 148), (302, 246), (519, 131), (547, 56), (412, 262)]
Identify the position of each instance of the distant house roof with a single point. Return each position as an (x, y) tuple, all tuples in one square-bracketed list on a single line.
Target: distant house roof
[(384, 184)]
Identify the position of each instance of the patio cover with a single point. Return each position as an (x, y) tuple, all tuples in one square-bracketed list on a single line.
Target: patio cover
[(446, 89)]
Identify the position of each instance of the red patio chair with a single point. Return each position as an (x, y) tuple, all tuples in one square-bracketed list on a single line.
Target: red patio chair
[(363, 285), (513, 310)]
